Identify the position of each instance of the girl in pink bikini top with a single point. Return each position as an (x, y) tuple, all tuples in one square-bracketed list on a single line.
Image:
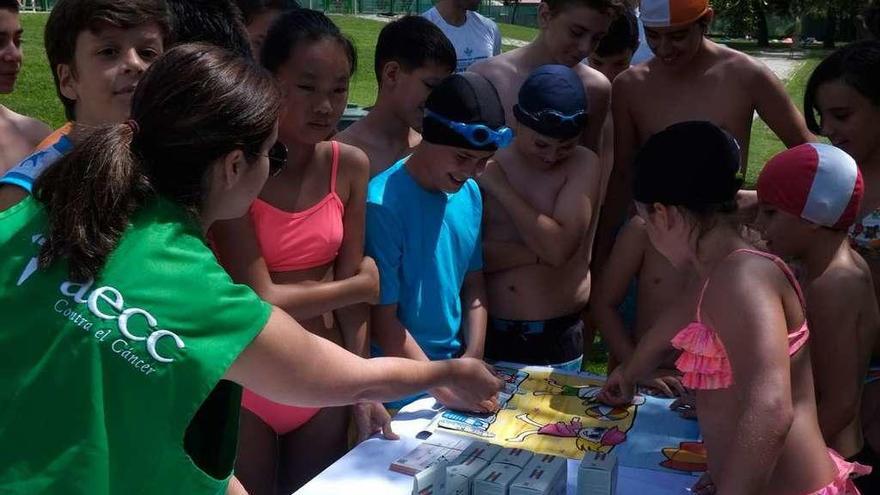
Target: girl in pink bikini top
[(757, 410)]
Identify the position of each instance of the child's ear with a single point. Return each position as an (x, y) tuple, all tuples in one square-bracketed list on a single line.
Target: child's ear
[(391, 73), (66, 81), (544, 15)]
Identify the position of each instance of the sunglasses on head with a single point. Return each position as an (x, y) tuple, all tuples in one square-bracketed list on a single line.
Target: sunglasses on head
[(477, 134), (552, 118), (277, 158)]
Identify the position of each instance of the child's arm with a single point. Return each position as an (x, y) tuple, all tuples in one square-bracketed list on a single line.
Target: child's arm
[(553, 238), (618, 193), (743, 305), (236, 244), (473, 301), (392, 336), (505, 255), (776, 108), (835, 351), (623, 265), (354, 168)]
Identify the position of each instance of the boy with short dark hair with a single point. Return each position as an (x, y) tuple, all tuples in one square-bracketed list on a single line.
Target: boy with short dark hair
[(19, 134), (616, 50), (98, 50), (423, 229), (216, 22), (412, 57)]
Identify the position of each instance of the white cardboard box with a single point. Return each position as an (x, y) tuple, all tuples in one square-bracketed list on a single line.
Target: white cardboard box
[(431, 481), (597, 474), (459, 477), (421, 458), (543, 475), (481, 450), (514, 457), (495, 479)]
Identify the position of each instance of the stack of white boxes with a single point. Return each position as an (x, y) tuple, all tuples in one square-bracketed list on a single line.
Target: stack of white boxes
[(485, 469), (597, 474), (543, 475)]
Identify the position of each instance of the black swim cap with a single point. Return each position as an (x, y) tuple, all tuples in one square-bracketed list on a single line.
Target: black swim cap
[(468, 98)]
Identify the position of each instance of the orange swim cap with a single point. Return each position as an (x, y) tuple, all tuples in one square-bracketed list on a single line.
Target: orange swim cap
[(672, 13)]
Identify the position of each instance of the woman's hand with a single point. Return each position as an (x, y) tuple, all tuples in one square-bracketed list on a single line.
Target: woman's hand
[(371, 417), (664, 382), (617, 391), (473, 387)]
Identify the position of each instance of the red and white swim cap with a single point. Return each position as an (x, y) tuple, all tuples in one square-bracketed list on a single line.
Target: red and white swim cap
[(671, 13), (817, 182)]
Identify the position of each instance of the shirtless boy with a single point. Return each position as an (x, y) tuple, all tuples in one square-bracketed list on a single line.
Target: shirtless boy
[(638, 283), (569, 32), (18, 134), (412, 57), (690, 78), (540, 197)]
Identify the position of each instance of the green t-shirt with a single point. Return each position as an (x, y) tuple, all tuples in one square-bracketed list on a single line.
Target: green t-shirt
[(100, 382)]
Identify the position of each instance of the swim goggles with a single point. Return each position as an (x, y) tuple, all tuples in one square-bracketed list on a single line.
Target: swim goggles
[(553, 119), (477, 134)]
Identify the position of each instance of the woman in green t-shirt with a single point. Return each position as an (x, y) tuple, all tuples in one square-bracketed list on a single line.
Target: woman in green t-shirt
[(122, 335)]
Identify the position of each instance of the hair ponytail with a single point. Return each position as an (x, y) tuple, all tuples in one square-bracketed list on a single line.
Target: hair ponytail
[(193, 106), (89, 196)]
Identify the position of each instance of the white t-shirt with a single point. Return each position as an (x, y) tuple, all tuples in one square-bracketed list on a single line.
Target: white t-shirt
[(477, 39)]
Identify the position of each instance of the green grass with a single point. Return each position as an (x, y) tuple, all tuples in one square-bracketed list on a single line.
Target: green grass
[(764, 143), (521, 33)]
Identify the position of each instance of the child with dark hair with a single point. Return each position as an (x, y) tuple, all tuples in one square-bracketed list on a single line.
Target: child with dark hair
[(809, 196), (540, 197), (615, 52), (423, 229), (19, 134), (301, 247), (98, 50), (217, 22), (741, 325), (412, 57), (258, 17), (842, 103), (149, 339)]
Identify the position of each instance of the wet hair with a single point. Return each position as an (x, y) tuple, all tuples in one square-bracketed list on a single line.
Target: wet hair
[(250, 9), (71, 17), (610, 7), (857, 65), (196, 104), (296, 26), (623, 35), (10, 5), (413, 42), (216, 22)]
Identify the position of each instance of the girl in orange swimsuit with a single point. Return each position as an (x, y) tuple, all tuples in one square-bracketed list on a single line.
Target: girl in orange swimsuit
[(740, 325), (301, 248)]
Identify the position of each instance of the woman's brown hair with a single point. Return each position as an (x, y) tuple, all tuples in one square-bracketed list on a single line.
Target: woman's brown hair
[(194, 105)]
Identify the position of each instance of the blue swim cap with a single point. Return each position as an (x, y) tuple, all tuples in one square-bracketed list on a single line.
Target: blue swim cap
[(552, 102)]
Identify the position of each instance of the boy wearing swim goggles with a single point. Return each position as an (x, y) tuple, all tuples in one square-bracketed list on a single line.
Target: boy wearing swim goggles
[(540, 197), (423, 230)]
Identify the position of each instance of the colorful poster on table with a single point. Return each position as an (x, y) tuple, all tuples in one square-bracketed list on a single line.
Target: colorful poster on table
[(554, 412)]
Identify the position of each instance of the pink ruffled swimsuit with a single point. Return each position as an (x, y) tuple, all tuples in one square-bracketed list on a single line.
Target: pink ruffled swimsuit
[(704, 365)]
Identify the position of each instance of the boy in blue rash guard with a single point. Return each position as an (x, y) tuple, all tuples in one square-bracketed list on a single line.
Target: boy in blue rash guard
[(541, 195), (423, 230)]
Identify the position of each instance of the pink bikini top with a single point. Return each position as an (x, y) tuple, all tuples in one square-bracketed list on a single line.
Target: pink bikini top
[(303, 239), (703, 360)]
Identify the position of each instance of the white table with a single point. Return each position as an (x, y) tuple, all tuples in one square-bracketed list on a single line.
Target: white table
[(364, 470)]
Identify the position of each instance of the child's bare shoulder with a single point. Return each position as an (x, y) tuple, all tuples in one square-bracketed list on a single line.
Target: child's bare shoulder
[(500, 65), (844, 279), (31, 129)]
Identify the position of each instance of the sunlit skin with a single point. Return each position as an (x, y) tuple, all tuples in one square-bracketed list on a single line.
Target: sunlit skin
[(450, 167), (107, 66), (850, 121)]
